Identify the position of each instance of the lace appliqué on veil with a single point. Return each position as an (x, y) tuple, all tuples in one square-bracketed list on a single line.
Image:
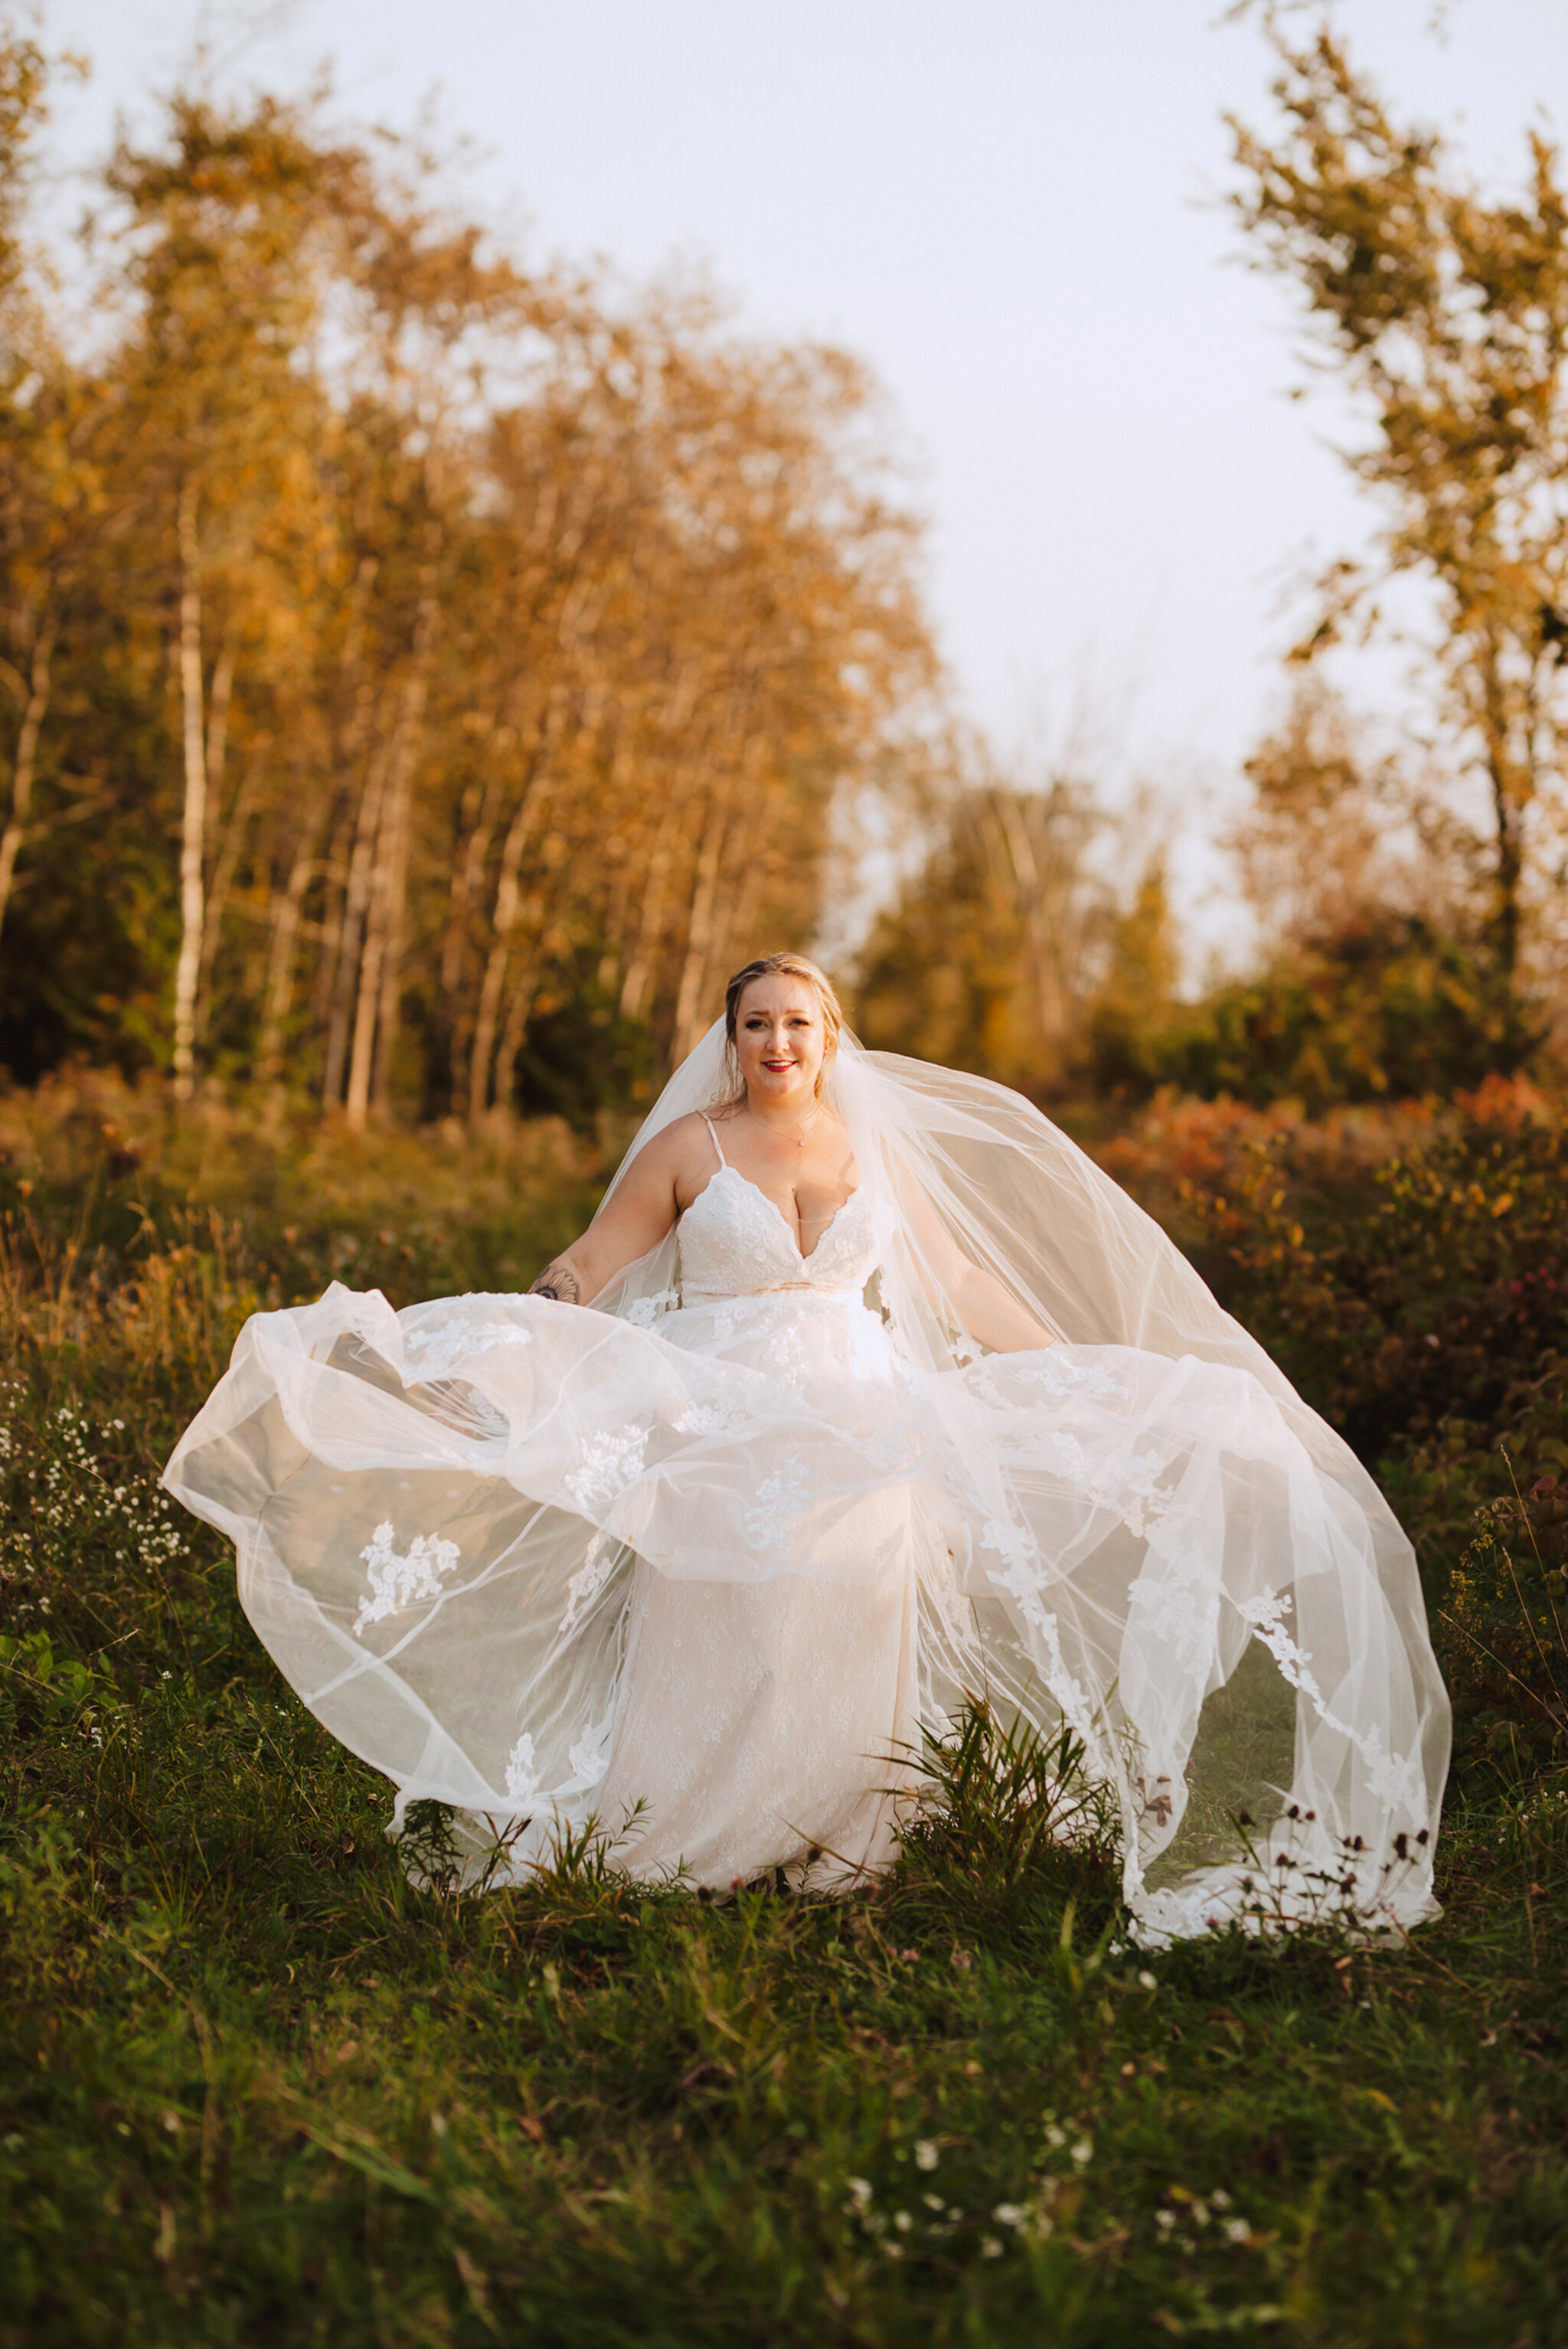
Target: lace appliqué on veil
[(434, 1354), (606, 1464), (398, 1581), (589, 1580), (779, 1500), (1392, 1777), (644, 1312), (521, 1772)]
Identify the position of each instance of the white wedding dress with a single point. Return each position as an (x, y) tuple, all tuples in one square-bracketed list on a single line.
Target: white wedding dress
[(711, 1562)]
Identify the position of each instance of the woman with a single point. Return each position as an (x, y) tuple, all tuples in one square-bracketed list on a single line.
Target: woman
[(884, 1397)]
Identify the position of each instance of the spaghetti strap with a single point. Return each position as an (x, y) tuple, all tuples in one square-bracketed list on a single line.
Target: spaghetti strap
[(712, 1136)]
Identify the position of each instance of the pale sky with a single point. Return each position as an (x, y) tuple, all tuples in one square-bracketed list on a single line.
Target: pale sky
[(1009, 207)]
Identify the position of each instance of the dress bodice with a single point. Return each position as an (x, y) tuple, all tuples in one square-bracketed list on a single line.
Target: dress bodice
[(735, 1242)]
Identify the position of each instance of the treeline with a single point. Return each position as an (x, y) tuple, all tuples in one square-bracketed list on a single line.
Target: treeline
[(423, 677), (427, 677), (1409, 902)]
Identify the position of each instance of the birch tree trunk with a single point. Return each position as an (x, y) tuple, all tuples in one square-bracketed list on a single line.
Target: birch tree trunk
[(194, 820), (280, 958), (355, 905), (375, 1013), (25, 768), (699, 929), (507, 897)]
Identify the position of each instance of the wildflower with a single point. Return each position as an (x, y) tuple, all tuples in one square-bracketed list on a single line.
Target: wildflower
[(927, 2155), (860, 2191), (1165, 2221), (1083, 2152), (1146, 1980), (1008, 2214), (934, 2202), (1219, 2200), (1236, 2230), (990, 2249), (1056, 2138)]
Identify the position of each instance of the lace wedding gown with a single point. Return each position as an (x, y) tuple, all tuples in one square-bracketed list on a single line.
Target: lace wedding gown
[(726, 1553)]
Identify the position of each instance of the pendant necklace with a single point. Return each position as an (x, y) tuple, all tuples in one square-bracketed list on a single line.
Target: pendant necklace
[(800, 1131)]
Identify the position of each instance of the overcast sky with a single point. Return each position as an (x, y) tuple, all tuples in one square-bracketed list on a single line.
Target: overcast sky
[(1010, 208)]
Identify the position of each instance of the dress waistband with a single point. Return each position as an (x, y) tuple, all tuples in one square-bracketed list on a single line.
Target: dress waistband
[(690, 1296)]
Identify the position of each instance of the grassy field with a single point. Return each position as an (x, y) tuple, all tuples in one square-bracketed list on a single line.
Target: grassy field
[(258, 2090)]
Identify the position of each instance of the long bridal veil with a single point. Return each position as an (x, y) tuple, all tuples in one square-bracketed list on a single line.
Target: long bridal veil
[(1155, 1540), (1141, 1532)]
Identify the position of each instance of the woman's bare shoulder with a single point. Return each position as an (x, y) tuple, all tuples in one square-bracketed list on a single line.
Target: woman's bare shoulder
[(683, 1142)]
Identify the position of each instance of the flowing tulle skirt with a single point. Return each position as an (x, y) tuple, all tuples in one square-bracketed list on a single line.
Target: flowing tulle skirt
[(714, 1579)]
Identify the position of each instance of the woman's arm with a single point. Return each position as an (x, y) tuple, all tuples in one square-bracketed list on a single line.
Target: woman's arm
[(641, 1212), (987, 1311), (957, 1286)]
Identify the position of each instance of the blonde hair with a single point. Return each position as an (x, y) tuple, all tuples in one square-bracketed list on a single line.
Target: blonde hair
[(778, 966)]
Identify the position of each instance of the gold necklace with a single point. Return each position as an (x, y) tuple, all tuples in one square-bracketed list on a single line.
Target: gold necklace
[(800, 1131)]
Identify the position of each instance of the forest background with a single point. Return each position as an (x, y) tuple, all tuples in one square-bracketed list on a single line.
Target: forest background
[(425, 676), (421, 679)]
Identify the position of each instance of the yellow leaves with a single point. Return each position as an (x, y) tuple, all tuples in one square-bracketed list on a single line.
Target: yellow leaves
[(1501, 1207), (1296, 1235)]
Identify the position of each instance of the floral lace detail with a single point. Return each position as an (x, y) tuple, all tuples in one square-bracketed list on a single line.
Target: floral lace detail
[(1053, 1370), (1392, 1777), (1128, 1485), (398, 1581), (1176, 1601), (590, 1757), (588, 1580), (889, 1449), (521, 1772), (1021, 1579), (435, 1353), (734, 1242), (713, 1415), (606, 1464), (644, 1312), (779, 1498)]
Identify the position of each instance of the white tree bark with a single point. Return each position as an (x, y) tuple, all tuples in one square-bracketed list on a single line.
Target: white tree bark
[(193, 822), (34, 709)]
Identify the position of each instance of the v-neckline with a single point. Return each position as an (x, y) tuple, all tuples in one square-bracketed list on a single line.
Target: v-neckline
[(802, 1257)]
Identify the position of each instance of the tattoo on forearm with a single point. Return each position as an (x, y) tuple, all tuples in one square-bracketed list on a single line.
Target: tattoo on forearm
[(559, 1282)]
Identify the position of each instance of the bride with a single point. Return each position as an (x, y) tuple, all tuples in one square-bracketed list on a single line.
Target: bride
[(864, 1394)]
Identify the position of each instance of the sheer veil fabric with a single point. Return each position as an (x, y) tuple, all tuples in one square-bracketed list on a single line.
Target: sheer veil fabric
[(729, 1542)]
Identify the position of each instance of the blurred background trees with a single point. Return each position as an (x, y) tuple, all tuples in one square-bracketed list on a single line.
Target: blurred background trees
[(423, 677), (426, 678)]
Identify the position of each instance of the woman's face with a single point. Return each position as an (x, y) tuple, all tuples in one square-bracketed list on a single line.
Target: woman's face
[(781, 1043)]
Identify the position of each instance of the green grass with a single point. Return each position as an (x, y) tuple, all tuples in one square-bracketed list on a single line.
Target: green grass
[(258, 2090)]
